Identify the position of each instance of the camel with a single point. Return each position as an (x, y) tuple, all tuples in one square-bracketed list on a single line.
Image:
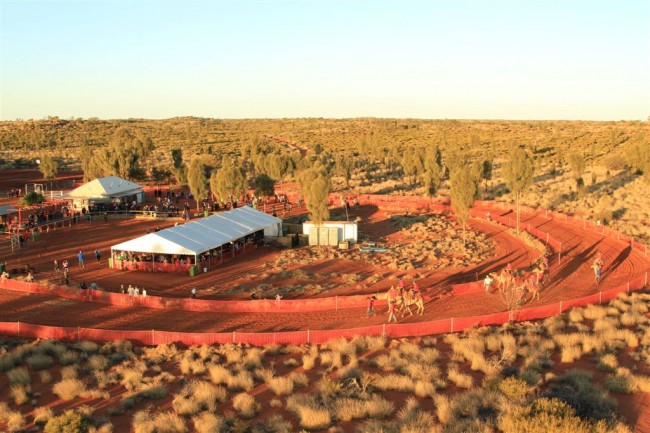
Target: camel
[(404, 303)]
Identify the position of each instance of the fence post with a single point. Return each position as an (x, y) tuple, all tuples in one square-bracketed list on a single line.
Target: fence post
[(308, 336), (452, 325), (559, 258), (560, 307), (600, 298), (645, 283), (547, 237), (78, 334), (233, 337), (336, 300), (153, 338), (383, 330), (19, 328), (628, 287)]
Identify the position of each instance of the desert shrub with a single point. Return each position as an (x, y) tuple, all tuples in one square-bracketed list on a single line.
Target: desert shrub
[(443, 408), (9, 360), (233, 354), (185, 406), (68, 357), (274, 423), (219, 374), (411, 418), (514, 388), (575, 315), (69, 372), (209, 423), (242, 381), (163, 422), (253, 358), (542, 413), (150, 392), (461, 380), (245, 404), (42, 415), (12, 419), (20, 394), (97, 363), (39, 361), (311, 415), (281, 385), (131, 378), (570, 353), (607, 362), (588, 399), (299, 378), (69, 389), (68, 422), (46, 376), (329, 388), (88, 347), (424, 389), (18, 376), (192, 366), (625, 382), (332, 360), (309, 358), (396, 382), (291, 362), (594, 312)]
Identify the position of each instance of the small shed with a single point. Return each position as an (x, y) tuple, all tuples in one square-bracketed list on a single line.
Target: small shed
[(330, 232)]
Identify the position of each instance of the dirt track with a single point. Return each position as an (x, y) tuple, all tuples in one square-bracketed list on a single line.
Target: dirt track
[(571, 279)]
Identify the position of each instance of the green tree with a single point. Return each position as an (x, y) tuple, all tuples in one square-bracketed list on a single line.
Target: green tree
[(197, 180), (48, 166), (228, 180), (315, 187), (463, 193), (31, 198), (577, 163), (486, 171), (264, 185), (518, 173), (178, 166), (432, 172)]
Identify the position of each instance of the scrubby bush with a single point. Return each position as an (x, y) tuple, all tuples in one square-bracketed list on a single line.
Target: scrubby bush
[(69, 389), (20, 394), (164, 422), (42, 415), (39, 362), (18, 376), (209, 423), (68, 422), (281, 385), (245, 404)]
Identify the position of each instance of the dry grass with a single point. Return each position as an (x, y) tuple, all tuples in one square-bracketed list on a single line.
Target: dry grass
[(42, 415), (209, 423), (39, 361), (12, 419), (245, 404), (281, 385), (18, 376), (69, 389), (163, 422), (459, 379), (311, 415)]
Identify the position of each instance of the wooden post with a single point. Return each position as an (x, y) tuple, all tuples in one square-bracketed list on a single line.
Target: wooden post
[(233, 337), (78, 333), (547, 237), (560, 307), (383, 330), (645, 283), (153, 338), (308, 336), (19, 328), (452, 325), (559, 258), (336, 300), (628, 287)]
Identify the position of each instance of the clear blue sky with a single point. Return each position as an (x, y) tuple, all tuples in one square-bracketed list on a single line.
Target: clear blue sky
[(515, 59)]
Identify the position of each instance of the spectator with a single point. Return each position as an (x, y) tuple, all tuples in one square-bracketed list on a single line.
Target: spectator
[(80, 257), (371, 303), (98, 256), (144, 292), (193, 293), (487, 281)]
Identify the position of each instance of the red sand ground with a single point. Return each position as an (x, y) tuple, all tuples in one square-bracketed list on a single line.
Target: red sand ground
[(572, 278)]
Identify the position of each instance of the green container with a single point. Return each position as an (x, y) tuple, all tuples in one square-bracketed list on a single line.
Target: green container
[(3, 266), (193, 271), (110, 262), (37, 236)]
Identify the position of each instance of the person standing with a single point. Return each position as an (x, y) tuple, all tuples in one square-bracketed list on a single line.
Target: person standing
[(98, 256), (487, 282), (371, 303), (144, 292), (391, 311), (80, 257), (193, 293), (66, 275), (57, 269)]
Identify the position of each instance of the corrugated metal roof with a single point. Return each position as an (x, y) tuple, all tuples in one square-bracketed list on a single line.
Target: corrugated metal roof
[(202, 235)]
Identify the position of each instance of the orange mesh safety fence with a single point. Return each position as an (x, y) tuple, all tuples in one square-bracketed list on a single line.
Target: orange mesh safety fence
[(398, 330)]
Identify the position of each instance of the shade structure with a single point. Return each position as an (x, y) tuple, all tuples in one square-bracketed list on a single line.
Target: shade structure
[(105, 188), (200, 236)]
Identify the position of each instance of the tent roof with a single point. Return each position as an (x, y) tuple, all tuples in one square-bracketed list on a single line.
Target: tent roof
[(105, 187), (7, 209), (202, 235)]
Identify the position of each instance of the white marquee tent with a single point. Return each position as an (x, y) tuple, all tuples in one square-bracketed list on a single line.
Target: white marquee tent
[(105, 189), (197, 237)]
